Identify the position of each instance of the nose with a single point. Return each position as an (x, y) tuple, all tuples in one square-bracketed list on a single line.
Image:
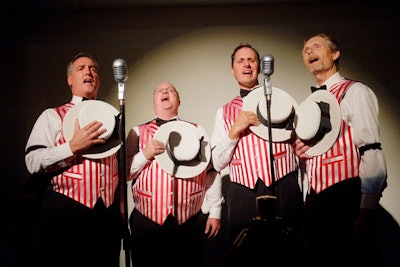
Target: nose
[(87, 71)]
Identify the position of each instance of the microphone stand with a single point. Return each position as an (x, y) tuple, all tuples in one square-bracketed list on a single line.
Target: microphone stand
[(268, 93), (123, 203)]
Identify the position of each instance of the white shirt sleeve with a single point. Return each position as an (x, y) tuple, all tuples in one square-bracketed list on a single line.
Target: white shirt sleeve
[(214, 198), (360, 110), (42, 152), (135, 157), (222, 146)]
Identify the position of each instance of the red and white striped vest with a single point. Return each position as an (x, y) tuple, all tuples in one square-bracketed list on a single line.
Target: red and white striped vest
[(342, 160), (155, 191), (251, 159), (89, 180)]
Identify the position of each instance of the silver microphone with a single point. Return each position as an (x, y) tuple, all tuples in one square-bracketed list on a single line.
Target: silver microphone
[(267, 65), (267, 68), (120, 70)]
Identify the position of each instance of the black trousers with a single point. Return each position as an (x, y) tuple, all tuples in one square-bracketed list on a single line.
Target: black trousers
[(72, 234), (173, 244), (264, 242), (242, 206), (329, 219)]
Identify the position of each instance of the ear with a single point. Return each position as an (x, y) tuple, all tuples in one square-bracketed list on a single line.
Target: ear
[(69, 81), (336, 55)]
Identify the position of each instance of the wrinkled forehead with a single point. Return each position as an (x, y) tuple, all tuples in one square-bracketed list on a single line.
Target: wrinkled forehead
[(314, 41)]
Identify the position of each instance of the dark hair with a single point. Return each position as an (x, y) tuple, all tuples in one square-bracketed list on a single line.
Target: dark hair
[(79, 55), (240, 46)]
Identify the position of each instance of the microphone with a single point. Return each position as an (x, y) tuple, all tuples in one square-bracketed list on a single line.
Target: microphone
[(267, 65), (267, 68), (120, 70)]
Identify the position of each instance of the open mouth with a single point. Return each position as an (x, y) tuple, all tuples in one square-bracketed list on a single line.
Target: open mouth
[(313, 60)]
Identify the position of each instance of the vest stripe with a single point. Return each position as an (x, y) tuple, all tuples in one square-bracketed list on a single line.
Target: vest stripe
[(250, 160), (88, 180), (342, 160), (154, 190)]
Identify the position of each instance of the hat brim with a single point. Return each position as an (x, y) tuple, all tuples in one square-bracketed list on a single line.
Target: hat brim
[(250, 103), (165, 161), (105, 110), (335, 114)]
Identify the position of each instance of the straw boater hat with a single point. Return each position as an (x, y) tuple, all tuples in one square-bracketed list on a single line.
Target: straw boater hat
[(94, 110), (318, 122), (283, 109), (188, 150)]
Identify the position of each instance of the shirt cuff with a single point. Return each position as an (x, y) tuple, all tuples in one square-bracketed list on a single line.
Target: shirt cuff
[(369, 201), (214, 213)]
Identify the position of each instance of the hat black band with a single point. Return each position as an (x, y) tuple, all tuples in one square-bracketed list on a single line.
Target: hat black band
[(191, 162), (286, 124), (325, 124)]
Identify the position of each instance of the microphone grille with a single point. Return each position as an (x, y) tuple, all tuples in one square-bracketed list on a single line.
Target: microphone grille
[(267, 64), (120, 70)]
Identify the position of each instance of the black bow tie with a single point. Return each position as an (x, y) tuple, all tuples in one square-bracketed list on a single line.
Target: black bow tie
[(160, 122), (244, 92), (313, 89)]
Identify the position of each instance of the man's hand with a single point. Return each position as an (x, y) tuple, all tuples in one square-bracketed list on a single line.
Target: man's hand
[(300, 149), (87, 136), (153, 147), (244, 120), (212, 227)]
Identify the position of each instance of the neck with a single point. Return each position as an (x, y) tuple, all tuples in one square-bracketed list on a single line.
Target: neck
[(321, 77), (167, 116)]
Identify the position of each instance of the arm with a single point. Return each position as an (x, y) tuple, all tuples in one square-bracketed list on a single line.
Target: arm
[(138, 158), (42, 154), (214, 199), (223, 142), (222, 146), (360, 109), (135, 157)]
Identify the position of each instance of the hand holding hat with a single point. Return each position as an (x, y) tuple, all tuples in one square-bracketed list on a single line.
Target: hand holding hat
[(283, 109), (318, 122), (94, 110), (188, 150)]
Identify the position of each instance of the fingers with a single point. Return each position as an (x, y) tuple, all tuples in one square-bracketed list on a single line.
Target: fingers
[(300, 148), (244, 120), (153, 147), (85, 137), (94, 129), (212, 227)]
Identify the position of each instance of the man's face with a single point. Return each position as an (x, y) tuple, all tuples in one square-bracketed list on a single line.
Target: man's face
[(84, 79), (165, 97), (317, 56), (245, 68)]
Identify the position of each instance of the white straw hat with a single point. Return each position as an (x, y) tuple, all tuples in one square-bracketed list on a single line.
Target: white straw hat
[(283, 109), (188, 150), (94, 110), (318, 122)]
